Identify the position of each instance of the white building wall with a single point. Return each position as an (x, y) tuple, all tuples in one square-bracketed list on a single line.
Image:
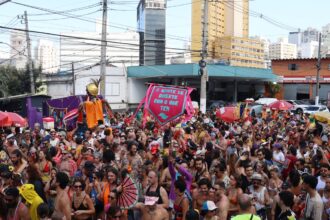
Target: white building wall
[(309, 50), (18, 50), (282, 50), (116, 84), (47, 56), (234, 19), (137, 89), (122, 49)]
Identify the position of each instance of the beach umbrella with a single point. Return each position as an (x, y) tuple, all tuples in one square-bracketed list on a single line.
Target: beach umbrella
[(13, 119), (281, 105), (228, 114), (4, 122)]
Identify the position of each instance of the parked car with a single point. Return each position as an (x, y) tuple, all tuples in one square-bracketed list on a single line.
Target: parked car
[(266, 101), (298, 105), (311, 109)]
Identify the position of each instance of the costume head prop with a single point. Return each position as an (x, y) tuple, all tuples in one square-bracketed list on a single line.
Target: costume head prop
[(93, 87)]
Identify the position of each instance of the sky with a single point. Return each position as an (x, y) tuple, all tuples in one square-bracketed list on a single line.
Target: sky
[(293, 13)]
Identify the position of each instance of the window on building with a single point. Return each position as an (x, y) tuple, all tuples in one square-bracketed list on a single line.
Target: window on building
[(114, 89), (293, 66)]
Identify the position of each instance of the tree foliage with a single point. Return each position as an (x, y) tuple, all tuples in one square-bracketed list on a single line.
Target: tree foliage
[(17, 81)]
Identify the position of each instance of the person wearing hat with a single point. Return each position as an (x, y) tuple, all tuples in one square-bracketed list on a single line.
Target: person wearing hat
[(208, 210), (150, 210), (259, 194)]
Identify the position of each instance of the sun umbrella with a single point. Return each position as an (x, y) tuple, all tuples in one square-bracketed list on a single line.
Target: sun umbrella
[(281, 105), (16, 119), (323, 117), (4, 121), (129, 195), (228, 114)]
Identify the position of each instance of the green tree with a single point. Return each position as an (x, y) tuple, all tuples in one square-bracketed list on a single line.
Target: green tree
[(15, 81)]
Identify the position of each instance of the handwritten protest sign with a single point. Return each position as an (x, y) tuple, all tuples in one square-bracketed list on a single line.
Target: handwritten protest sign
[(167, 103)]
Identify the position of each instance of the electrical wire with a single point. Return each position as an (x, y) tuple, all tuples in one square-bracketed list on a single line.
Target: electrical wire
[(91, 21), (85, 38)]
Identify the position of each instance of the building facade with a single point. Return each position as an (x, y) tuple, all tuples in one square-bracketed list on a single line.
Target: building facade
[(122, 49), (18, 49), (326, 40), (298, 77), (237, 18), (282, 50), (47, 56), (309, 50), (241, 51), (151, 18), (216, 26), (228, 27)]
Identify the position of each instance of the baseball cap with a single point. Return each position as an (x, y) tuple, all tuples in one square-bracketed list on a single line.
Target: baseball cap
[(150, 200), (209, 206)]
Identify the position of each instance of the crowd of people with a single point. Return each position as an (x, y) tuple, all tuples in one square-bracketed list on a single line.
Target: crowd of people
[(269, 166)]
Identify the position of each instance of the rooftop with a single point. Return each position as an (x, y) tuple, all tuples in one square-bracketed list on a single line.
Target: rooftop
[(192, 70)]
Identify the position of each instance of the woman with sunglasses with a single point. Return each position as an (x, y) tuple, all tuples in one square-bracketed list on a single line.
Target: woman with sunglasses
[(82, 204)]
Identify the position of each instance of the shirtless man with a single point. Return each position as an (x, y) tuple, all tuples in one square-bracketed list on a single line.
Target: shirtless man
[(221, 200), (62, 204), (150, 210), (17, 210), (201, 194)]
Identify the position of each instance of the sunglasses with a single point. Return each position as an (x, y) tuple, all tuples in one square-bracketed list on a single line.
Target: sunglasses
[(76, 186)]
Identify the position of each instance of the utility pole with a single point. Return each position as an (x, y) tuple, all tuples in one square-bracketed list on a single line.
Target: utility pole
[(73, 80), (104, 47), (202, 62), (28, 42), (318, 67)]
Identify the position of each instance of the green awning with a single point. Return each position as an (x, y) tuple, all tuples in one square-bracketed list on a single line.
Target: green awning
[(192, 70)]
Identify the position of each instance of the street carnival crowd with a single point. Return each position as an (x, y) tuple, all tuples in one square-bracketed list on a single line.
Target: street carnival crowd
[(272, 165)]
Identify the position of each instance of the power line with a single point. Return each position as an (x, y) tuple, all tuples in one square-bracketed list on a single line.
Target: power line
[(91, 21), (90, 39), (77, 16), (69, 10)]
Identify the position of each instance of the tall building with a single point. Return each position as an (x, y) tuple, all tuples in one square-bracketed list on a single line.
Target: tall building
[(237, 18), (228, 33), (122, 49), (216, 26), (309, 35), (242, 51), (309, 50), (305, 41), (326, 40), (282, 50), (151, 18), (18, 49), (46, 55)]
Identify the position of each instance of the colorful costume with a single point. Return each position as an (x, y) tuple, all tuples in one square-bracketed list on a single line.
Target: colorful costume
[(93, 108), (32, 199)]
